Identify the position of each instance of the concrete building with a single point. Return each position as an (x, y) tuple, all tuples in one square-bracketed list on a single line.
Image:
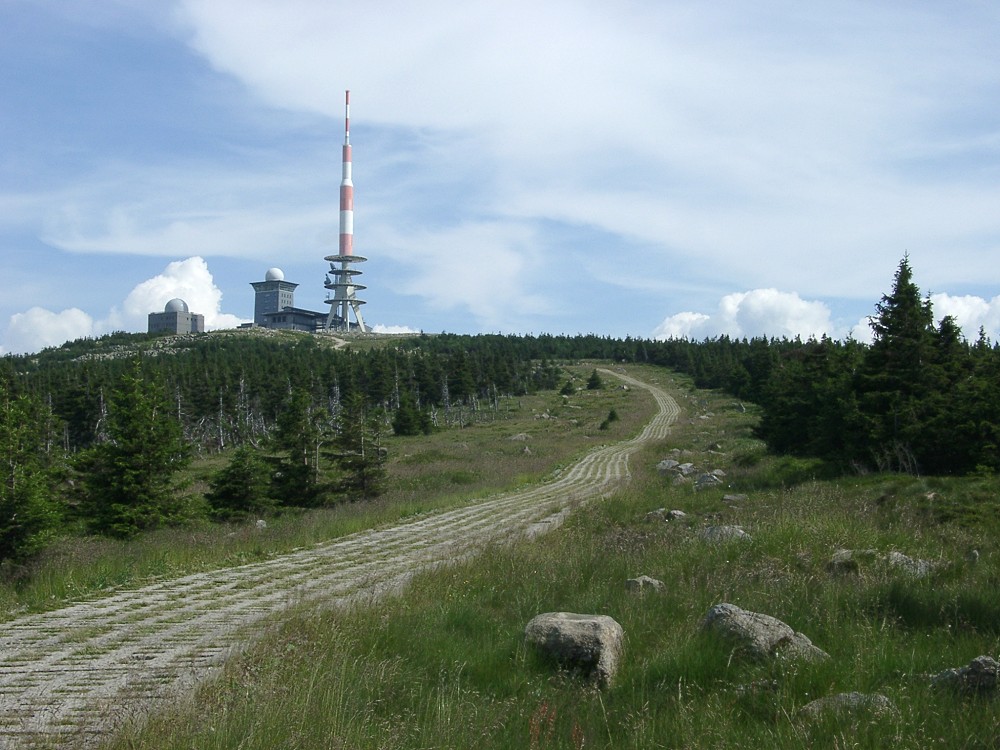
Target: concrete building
[(176, 318), (273, 295)]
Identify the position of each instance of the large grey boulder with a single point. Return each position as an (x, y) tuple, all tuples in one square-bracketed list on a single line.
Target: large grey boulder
[(589, 644), (979, 676), (849, 705), (757, 636)]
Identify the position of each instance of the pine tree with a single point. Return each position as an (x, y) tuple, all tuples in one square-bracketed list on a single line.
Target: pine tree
[(129, 477), (898, 376), (29, 513)]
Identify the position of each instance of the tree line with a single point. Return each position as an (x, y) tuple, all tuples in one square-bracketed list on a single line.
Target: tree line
[(82, 426)]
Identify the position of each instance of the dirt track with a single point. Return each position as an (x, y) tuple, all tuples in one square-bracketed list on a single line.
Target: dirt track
[(69, 676)]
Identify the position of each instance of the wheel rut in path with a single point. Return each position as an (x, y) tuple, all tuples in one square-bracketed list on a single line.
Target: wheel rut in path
[(72, 675)]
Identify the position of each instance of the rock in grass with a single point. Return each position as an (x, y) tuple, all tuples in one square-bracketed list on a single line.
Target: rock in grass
[(675, 515), (645, 584), (587, 644), (909, 565), (660, 514), (981, 675), (848, 705), (757, 636), (719, 534)]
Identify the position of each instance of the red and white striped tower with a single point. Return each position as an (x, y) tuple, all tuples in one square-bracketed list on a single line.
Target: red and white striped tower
[(342, 284)]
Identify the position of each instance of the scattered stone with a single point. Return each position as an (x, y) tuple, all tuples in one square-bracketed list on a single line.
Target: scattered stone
[(680, 479), (644, 584), (718, 473), (660, 514), (734, 498), (589, 644), (667, 464), (849, 704), (979, 676), (909, 565), (759, 637), (526, 451), (707, 481), (675, 515), (520, 437), (686, 468), (848, 561), (972, 556), (261, 524), (719, 534)]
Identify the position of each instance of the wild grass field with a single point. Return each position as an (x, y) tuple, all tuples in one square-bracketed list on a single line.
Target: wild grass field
[(444, 665), (524, 440)]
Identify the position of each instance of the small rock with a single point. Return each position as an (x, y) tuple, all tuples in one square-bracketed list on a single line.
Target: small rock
[(261, 524), (909, 565), (848, 561), (644, 584), (667, 464), (519, 437), (718, 534), (849, 704), (979, 676), (660, 514), (734, 498), (686, 468), (675, 515), (589, 644), (707, 481), (718, 473)]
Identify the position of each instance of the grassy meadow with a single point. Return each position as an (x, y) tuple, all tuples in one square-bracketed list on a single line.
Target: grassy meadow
[(524, 440), (444, 665)]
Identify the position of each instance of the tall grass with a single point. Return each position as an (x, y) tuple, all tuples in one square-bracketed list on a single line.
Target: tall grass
[(425, 473), (444, 665)]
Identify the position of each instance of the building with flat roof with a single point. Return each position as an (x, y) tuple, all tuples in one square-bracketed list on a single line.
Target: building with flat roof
[(176, 318)]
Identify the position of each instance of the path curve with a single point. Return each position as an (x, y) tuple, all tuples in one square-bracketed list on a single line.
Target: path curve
[(73, 674)]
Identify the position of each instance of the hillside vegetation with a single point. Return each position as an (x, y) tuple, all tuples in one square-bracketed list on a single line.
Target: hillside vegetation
[(445, 664)]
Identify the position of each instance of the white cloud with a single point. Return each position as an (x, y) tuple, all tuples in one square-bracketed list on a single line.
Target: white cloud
[(39, 328), (971, 313), (380, 328), (759, 312), (188, 279)]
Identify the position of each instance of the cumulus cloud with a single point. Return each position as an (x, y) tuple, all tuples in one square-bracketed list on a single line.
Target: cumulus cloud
[(39, 328), (971, 313), (380, 328), (759, 312), (188, 279)]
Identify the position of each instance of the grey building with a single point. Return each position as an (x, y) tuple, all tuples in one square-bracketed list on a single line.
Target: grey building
[(273, 295), (176, 318)]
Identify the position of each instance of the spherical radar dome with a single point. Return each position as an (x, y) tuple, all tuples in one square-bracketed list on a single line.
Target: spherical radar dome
[(176, 305), (274, 274)]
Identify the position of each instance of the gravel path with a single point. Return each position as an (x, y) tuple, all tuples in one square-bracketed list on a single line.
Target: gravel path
[(69, 676)]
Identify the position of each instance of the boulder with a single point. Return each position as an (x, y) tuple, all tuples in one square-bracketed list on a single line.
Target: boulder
[(667, 464), (588, 644), (719, 534), (757, 636), (979, 676), (849, 705), (675, 515), (707, 481), (660, 514), (645, 584), (909, 565), (848, 561)]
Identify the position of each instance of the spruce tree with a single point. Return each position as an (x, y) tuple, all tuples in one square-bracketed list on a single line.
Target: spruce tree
[(129, 477)]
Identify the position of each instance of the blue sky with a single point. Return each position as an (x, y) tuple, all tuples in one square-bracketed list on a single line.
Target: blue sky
[(643, 168)]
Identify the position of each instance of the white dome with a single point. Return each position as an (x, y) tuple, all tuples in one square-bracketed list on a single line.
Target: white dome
[(176, 305), (274, 274)]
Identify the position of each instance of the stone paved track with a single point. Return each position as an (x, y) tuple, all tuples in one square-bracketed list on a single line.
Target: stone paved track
[(67, 677)]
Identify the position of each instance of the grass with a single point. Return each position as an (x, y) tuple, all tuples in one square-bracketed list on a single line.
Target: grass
[(444, 665), (525, 441)]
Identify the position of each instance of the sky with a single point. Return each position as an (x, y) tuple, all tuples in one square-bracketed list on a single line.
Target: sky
[(644, 168)]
